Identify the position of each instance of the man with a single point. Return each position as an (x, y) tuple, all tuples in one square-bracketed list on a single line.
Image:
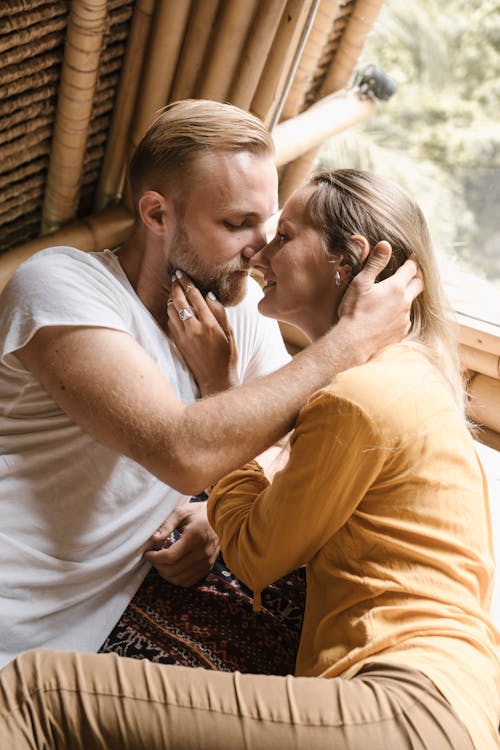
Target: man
[(102, 435)]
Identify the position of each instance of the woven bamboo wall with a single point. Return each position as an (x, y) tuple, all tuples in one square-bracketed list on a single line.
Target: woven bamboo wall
[(31, 51), (32, 43)]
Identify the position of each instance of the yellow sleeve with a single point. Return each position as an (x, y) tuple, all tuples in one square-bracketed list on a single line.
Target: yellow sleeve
[(267, 530)]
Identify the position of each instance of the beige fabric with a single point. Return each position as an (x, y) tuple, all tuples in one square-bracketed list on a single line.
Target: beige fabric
[(102, 702)]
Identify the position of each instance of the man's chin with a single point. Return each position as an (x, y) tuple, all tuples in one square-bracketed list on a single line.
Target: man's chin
[(231, 290)]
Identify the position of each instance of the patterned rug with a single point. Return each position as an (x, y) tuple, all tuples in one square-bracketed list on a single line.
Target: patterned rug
[(212, 625)]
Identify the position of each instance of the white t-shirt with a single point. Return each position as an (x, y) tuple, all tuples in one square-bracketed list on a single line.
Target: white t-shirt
[(74, 514)]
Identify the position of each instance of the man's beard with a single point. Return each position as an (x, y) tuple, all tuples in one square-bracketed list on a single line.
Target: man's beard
[(228, 281)]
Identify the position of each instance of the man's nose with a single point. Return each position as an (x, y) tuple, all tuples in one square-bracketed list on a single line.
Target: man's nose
[(259, 259), (256, 243), (253, 247)]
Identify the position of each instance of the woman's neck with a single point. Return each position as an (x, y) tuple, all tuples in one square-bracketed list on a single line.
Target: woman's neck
[(317, 324)]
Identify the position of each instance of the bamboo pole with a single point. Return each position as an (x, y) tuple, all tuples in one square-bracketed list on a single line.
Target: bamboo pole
[(233, 26), (296, 173), (328, 116), (484, 401), (310, 58), (281, 58), (84, 40), (289, 72), (114, 163), (255, 53), (167, 33), (351, 45), (200, 27), (480, 361), (108, 228), (337, 78)]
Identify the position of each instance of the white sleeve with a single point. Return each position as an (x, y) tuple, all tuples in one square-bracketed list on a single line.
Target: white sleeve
[(59, 286), (261, 348)]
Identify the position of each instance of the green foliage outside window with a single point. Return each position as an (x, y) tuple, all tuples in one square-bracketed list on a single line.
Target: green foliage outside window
[(439, 135)]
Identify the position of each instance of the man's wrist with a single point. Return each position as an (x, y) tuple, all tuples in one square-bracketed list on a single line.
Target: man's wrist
[(353, 340)]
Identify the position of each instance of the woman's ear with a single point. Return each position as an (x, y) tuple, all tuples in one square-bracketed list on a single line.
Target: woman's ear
[(341, 269), (154, 210), (364, 247)]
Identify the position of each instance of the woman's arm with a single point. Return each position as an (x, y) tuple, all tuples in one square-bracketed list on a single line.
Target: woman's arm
[(267, 530)]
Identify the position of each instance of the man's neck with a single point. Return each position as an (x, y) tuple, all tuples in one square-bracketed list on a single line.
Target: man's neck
[(146, 269)]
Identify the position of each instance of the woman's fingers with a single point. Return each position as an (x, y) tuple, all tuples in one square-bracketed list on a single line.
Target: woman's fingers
[(186, 295), (219, 313), (377, 260), (201, 332), (176, 326), (182, 305), (185, 292)]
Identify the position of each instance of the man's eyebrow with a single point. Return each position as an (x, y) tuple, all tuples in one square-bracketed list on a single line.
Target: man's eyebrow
[(240, 210), (243, 210)]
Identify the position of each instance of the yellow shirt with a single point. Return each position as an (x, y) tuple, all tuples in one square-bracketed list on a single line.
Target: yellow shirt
[(385, 500)]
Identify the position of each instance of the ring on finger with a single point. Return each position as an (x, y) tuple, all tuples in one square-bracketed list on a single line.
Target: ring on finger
[(188, 288), (185, 313)]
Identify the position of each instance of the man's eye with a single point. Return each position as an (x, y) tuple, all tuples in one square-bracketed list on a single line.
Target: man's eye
[(282, 238), (233, 227)]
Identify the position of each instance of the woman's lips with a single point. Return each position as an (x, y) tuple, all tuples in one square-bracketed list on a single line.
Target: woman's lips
[(269, 284)]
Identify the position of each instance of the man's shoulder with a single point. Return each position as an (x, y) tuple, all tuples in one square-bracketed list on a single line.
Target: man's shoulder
[(59, 278), (55, 266), (60, 255)]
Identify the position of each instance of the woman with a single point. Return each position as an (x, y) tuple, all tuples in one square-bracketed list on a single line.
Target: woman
[(383, 499)]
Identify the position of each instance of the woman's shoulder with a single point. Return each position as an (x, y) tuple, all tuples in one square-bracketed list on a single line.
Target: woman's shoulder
[(394, 365), (398, 387)]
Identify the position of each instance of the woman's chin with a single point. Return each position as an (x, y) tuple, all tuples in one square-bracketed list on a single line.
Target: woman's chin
[(267, 308)]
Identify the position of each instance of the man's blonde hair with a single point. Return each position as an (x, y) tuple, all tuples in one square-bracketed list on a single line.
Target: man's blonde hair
[(182, 131)]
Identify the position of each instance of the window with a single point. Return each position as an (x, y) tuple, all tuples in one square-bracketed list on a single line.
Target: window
[(438, 136)]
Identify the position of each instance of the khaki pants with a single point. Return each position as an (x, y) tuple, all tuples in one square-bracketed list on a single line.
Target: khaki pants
[(62, 700)]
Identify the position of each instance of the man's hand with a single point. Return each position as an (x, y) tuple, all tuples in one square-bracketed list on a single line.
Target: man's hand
[(190, 558), (381, 311)]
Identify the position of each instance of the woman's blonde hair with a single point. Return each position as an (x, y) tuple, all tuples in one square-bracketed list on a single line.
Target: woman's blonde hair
[(346, 202), (182, 131)]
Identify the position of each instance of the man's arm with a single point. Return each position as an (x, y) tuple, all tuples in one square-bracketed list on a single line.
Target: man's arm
[(109, 385)]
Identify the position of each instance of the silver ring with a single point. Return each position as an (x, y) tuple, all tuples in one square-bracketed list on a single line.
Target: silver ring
[(185, 313), (188, 288)]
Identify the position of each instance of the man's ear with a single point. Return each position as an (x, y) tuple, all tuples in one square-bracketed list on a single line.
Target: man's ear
[(364, 247), (154, 210)]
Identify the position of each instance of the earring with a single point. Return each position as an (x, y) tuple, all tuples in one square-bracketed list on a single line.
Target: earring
[(337, 278)]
